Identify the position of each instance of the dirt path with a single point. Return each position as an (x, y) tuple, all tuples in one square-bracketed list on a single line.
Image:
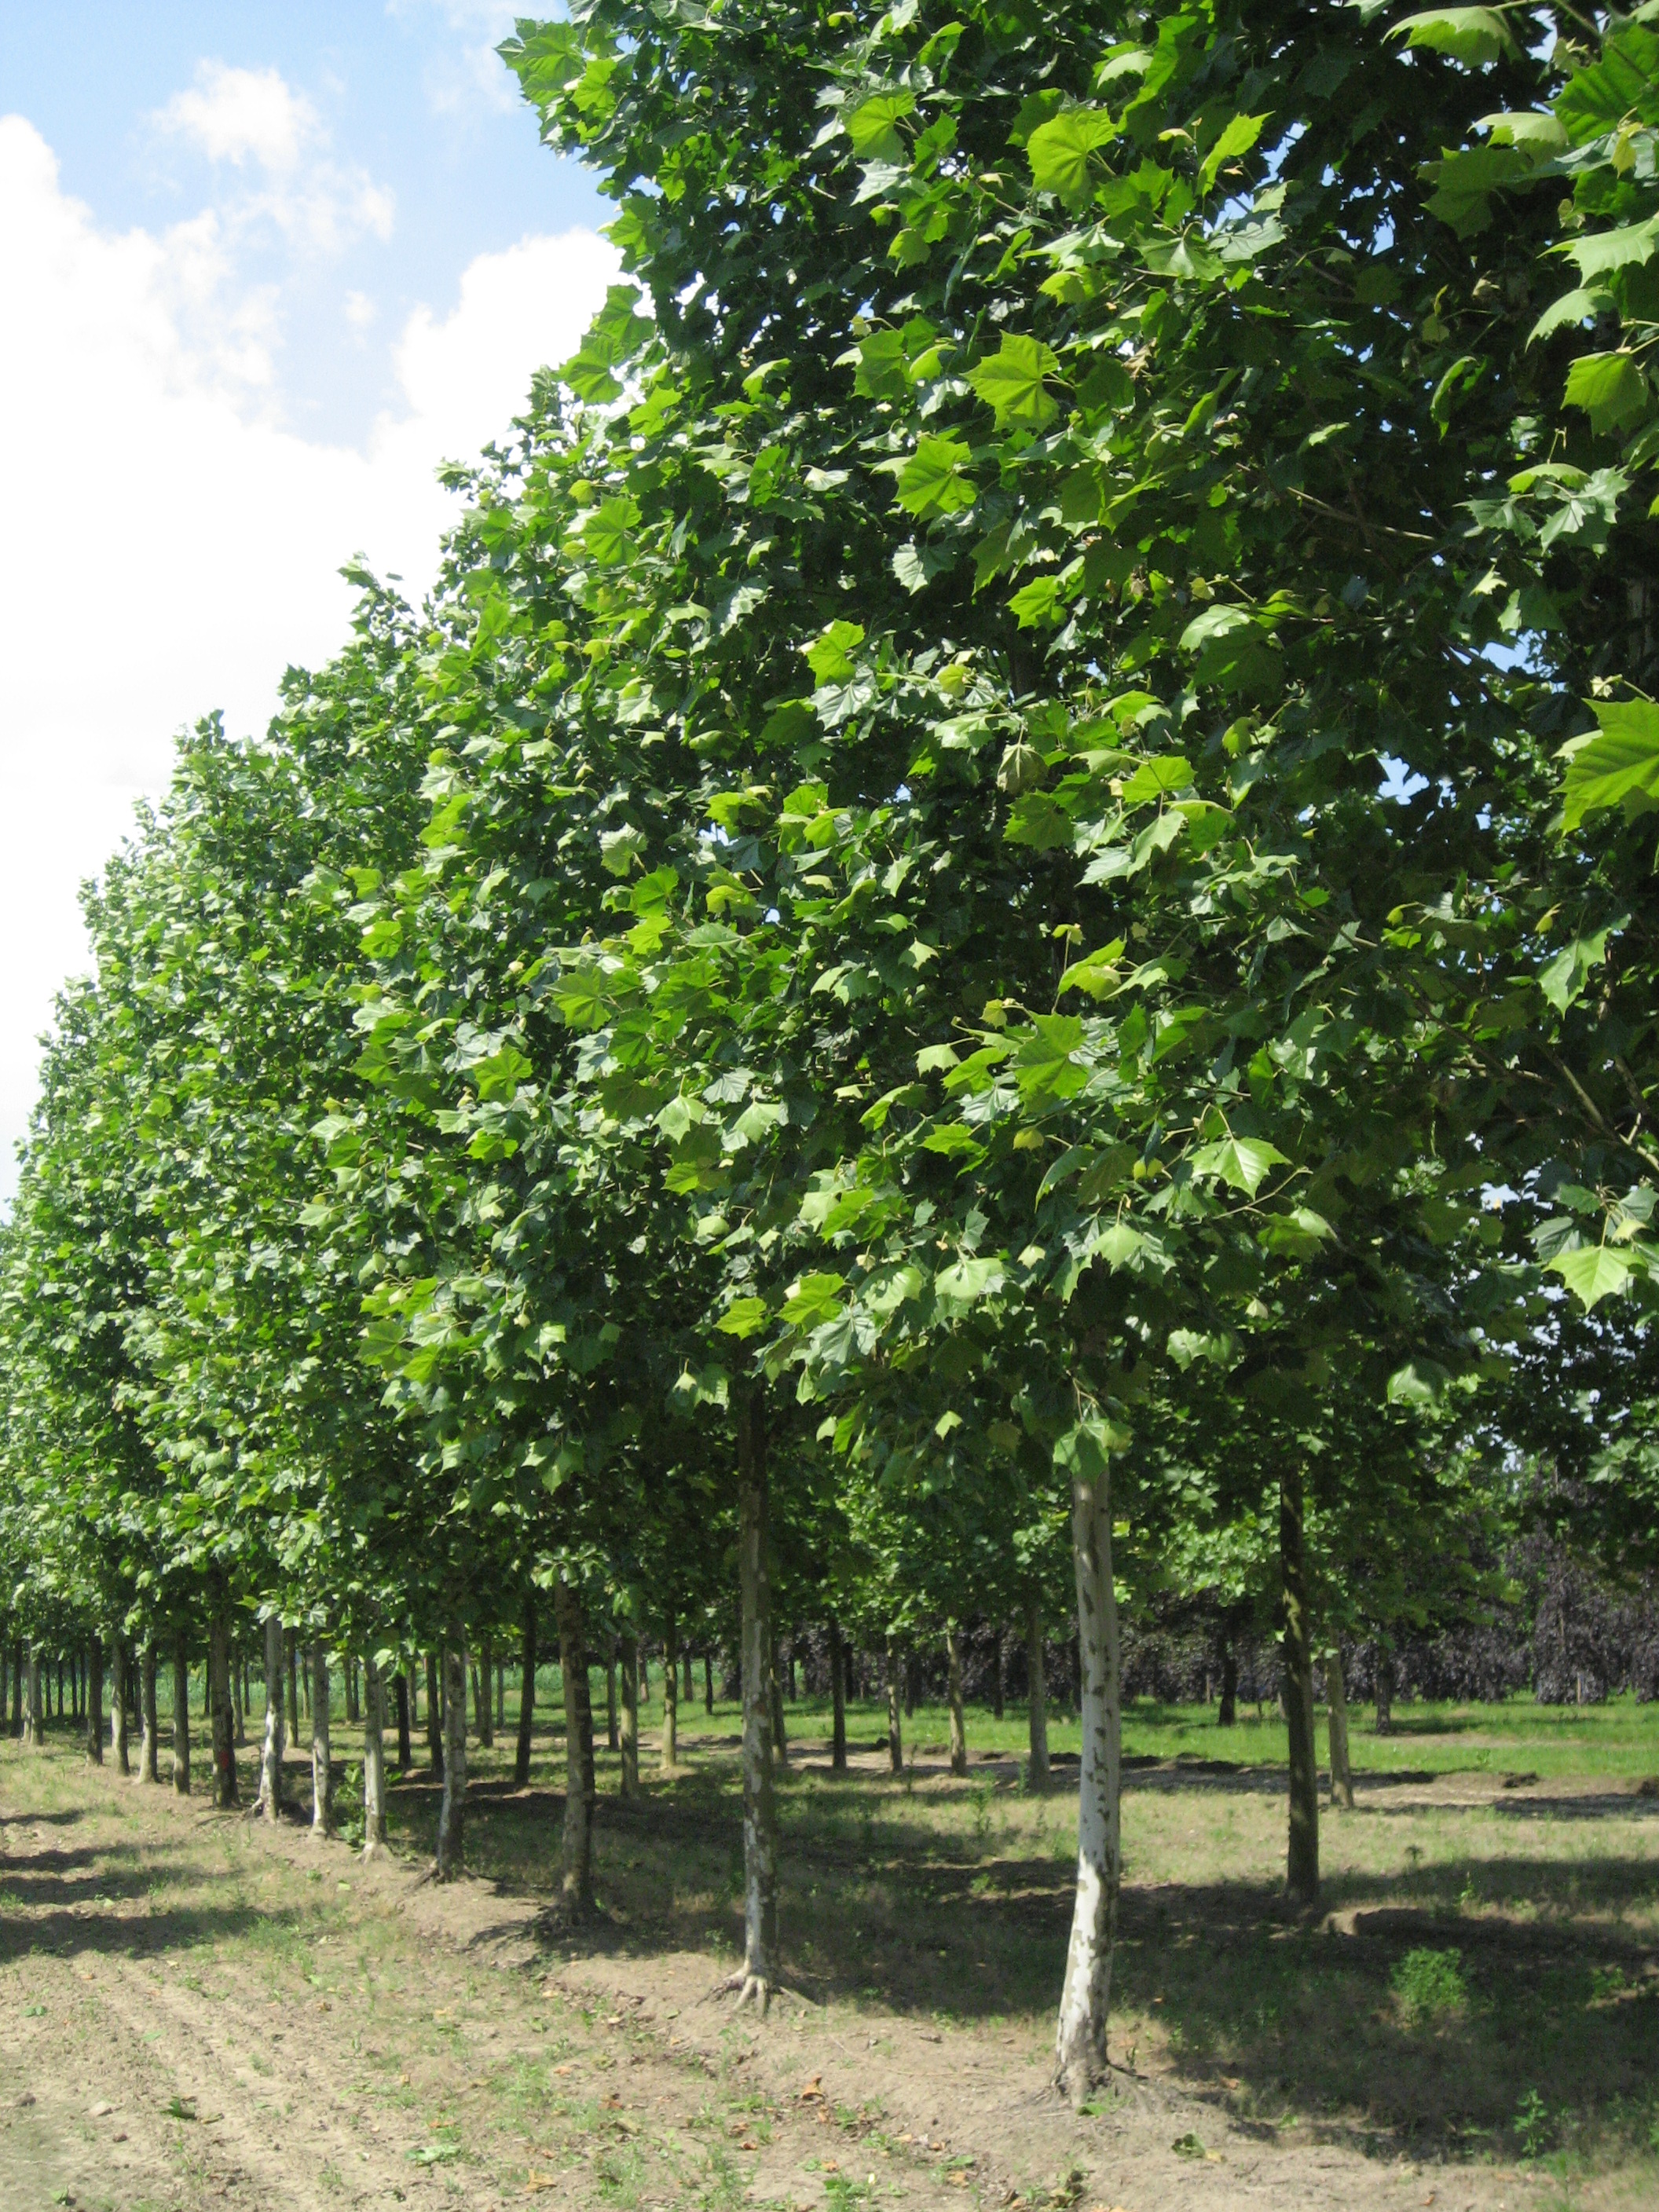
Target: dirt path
[(195, 2009)]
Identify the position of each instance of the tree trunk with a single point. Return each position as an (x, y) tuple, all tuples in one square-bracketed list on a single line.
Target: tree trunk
[(149, 1756), (486, 1717), (406, 1749), (953, 1698), (629, 1732), (912, 1685), (709, 1685), (670, 1693), (780, 1739), (117, 1701), (374, 1843), (1336, 1698), (18, 1664), (239, 1729), (612, 1740), (1000, 1695), (1302, 1857), (34, 1719), (527, 1695), (94, 1703), (181, 1718), (577, 1872), (895, 1706), (225, 1793), (435, 1717), (322, 1766), (1227, 1712), (837, 1702), (452, 1811), (353, 1707), (760, 1825), (1037, 1695), (690, 1688), (1384, 1692), (270, 1800), (291, 1640), (1081, 2034)]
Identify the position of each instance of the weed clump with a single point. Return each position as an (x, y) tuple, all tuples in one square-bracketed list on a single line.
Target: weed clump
[(1429, 1985)]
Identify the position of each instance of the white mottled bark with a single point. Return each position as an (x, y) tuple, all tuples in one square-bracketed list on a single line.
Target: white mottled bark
[(1080, 2032), (953, 1697), (222, 1718), (322, 1771), (149, 1752), (374, 1843), (34, 1719), (451, 1812), (181, 1718), (270, 1801), (118, 1703), (629, 1729)]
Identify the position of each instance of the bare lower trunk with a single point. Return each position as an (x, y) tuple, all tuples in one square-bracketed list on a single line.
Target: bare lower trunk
[(117, 1701), (1037, 1695), (612, 1723), (373, 1760), (628, 1719), (577, 1874), (270, 1801), (405, 1749), (1001, 1693), (451, 1812), (181, 1718), (1080, 2033), (759, 1826), (953, 1698), (226, 1795), (1301, 1855), (895, 1693), (95, 1712), (322, 1766), (435, 1717), (486, 1717), (34, 1718), (148, 1755), (1227, 1712), (780, 1739), (671, 1694), (1336, 1700), (837, 1702), (1385, 1693), (708, 1685), (237, 1730), (527, 1695)]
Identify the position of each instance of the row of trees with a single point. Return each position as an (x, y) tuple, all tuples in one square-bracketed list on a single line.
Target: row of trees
[(961, 933)]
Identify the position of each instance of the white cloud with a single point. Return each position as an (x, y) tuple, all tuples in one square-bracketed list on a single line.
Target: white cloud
[(166, 554), (231, 113), (470, 75)]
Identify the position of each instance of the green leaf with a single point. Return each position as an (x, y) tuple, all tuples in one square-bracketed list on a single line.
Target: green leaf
[(969, 1279), (743, 1318), (1215, 622), (1084, 1451), (1037, 605), (1564, 980), (829, 656), (1601, 251), (1012, 382), (1617, 767), (1240, 135), (1576, 306), (1172, 772), (1242, 1162), (1593, 1273), (881, 370), (872, 126), (1474, 36), (1609, 386), (1060, 152), (814, 1299), (1418, 1383), (933, 481)]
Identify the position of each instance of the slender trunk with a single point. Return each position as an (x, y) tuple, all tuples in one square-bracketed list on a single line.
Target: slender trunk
[(238, 1727), (1227, 1713), (759, 1826), (451, 1812), (709, 1685), (1036, 1695), (1336, 1698), (670, 1693), (405, 1750), (953, 1698), (118, 1703), (1385, 1693), (270, 1801), (629, 1732), (291, 1641), (912, 1685), (577, 1874), (1000, 1695), (894, 1696), (373, 1761), (34, 1719), (1302, 1857), (18, 1664), (225, 1793), (353, 1707), (691, 1688), (486, 1717), (322, 1766), (780, 1739), (148, 1757), (181, 1718), (837, 1702), (435, 1717), (853, 1690), (527, 1695), (1080, 2032), (612, 1741), (95, 1701)]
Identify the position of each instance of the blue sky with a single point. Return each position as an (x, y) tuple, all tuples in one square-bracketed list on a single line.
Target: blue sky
[(262, 269)]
